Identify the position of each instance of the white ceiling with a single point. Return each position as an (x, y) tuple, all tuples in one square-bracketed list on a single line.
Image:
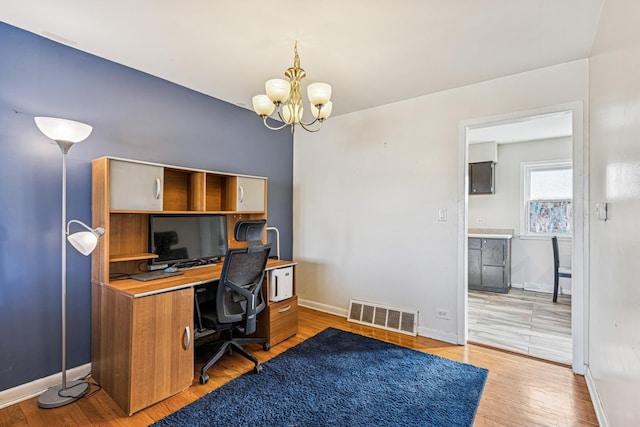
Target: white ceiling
[(371, 52)]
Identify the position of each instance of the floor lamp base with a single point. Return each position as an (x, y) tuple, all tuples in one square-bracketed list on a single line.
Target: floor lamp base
[(55, 397)]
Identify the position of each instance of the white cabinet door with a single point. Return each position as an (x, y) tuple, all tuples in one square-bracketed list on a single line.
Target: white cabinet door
[(250, 193), (135, 186)]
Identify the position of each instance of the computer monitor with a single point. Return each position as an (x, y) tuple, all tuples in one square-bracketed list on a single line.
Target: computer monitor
[(178, 239)]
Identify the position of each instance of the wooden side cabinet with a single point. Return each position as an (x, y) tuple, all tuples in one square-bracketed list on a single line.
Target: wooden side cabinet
[(142, 348), (279, 320)]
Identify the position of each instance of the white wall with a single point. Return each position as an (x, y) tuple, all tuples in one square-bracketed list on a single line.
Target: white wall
[(368, 186), (614, 338), (531, 260)]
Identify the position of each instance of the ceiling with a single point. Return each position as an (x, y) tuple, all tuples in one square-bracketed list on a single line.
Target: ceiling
[(371, 52)]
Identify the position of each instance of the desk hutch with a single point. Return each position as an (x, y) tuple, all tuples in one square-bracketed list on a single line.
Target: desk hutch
[(142, 332)]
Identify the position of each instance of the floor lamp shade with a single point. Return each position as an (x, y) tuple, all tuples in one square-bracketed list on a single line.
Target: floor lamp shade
[(63, 129), (84, 241)]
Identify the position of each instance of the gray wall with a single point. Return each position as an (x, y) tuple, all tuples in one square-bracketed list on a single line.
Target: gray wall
[(135, 116)]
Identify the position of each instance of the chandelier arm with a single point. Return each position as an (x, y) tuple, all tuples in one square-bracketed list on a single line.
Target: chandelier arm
[(304, 126), (264, 120), (278, 110)]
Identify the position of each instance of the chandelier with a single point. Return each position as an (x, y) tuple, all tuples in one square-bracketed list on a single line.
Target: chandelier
[(284, 97)]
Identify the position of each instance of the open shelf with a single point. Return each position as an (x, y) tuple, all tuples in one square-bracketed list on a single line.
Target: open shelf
[(132, 257)]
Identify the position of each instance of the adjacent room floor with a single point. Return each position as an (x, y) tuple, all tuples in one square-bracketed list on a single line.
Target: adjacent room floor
[(526, 322)]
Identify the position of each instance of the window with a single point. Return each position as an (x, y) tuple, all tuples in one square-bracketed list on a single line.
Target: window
[(547, 198)]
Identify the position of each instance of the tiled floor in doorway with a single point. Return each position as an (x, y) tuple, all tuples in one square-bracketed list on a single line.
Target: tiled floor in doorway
[(523, 321)]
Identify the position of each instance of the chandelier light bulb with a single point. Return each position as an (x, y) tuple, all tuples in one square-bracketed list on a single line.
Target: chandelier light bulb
[(262, 105), (277, 90), (319, 93), (324, 113)]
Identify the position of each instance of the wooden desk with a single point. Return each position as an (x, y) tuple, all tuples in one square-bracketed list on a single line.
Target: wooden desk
[(192, 277), (142, 333)]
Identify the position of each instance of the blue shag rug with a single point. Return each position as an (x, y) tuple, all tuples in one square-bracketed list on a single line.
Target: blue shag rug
[(338, 378)]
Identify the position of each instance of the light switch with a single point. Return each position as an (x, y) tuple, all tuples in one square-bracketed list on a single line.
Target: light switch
[(601, 209), (442, 214)]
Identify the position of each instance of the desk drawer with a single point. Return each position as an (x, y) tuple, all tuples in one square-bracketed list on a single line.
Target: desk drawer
[(283, 320)]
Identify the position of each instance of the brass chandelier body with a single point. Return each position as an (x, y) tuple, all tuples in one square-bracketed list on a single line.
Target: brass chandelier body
[(285, 97)]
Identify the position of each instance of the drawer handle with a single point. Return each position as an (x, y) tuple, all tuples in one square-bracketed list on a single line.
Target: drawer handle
[(241, 194), (187, 332), (158, 188), (282, 310)]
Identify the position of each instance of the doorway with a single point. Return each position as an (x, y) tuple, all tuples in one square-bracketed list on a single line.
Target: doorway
[(521, 135)]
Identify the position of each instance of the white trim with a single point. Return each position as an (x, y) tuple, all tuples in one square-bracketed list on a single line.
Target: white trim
[(436, 334), (342, 312), (34, 388), (580, 238), (595, 399)]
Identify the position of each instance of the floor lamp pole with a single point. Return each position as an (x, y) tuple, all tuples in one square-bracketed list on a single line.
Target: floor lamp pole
[(64, 393)]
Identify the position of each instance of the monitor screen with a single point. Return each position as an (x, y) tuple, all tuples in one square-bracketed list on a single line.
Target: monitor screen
[(178, 239)]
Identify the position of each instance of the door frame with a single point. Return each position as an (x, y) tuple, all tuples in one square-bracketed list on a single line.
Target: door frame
[(580, 238)]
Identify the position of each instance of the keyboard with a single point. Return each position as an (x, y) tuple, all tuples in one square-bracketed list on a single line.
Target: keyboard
[(153, 275)]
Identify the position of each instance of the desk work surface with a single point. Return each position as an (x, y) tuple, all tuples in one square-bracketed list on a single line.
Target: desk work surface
[(191, 277)]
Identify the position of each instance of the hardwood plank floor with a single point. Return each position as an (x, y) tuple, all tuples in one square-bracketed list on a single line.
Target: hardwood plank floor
[(523, 321), (520, 391)]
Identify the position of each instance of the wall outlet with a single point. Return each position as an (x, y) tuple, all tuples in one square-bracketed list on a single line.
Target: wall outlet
[(442, 313)]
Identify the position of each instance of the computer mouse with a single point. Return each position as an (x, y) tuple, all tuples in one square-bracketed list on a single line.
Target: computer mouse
[(171, 269)]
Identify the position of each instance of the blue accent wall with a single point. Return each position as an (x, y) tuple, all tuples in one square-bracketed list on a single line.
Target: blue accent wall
[(135, 116)]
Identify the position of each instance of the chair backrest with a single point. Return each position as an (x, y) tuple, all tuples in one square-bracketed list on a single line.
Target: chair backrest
[(556, 256), (239, 295)]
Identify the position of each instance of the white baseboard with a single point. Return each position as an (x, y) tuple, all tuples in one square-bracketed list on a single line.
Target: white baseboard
[(595, 399), (342, 312), (34, 388), (423, 332), (544, 287), (438, 335)]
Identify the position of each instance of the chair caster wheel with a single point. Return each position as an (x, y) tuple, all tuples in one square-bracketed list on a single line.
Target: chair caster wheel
[(204, 378), (257, 369), (266, 347)]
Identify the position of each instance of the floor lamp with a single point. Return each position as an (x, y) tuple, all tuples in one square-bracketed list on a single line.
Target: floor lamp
[(66, 133)]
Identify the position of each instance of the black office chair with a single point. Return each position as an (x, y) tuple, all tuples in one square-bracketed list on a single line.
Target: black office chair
[(239, 296), (558, 271)]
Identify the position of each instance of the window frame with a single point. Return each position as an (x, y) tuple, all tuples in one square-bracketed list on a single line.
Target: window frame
[(525, 190)]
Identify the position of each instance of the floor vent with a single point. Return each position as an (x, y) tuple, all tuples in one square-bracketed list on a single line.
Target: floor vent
[(384, 317)]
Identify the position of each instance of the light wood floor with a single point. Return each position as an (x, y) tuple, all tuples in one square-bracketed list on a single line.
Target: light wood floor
[(520, 391), (527, 322)]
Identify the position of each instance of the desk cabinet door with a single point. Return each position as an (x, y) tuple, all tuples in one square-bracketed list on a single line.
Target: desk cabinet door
[(250, 194), (135, 186), (162, 347)]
